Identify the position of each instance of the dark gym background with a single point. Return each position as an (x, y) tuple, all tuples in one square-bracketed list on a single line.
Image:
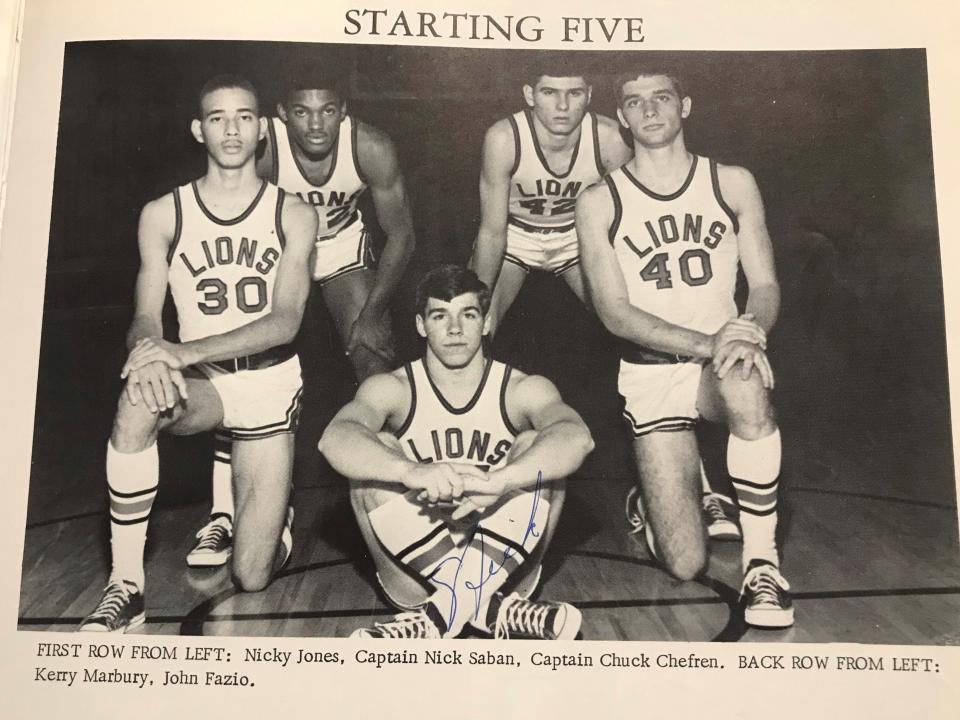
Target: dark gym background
[(839, 143)]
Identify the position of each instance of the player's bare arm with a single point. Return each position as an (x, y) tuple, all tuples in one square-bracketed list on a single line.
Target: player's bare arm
[(352, 448), (739, 189), (154, 384), (378, 163), (278, 327), (561, 444), (499, 153), (595, 213), (614, 152), (563, 440)]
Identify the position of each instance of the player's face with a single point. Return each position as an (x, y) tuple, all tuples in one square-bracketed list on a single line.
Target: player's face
[(454, 330), (559, 103), (653, 110), (313, 118), (229, 126)]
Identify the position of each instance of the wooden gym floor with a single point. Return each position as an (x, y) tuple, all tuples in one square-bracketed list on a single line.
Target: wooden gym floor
[(868, 522)]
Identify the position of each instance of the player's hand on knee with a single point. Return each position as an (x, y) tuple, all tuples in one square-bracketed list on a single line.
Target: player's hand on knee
[(140, 390), (161, 387), (373, 333), (750, 356), (149, 350), (741, 328), (168, 388), (132, 389)]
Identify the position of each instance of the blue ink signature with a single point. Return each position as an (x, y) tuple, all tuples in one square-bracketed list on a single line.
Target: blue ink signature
[(486, 571)]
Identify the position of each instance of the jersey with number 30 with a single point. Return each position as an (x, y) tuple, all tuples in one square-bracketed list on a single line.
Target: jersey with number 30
[(222, 271), (678, 252)]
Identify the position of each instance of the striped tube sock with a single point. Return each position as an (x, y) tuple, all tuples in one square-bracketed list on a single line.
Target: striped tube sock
[(466, 569), (469, 576), (222, 477), (132, 482), (754, 467)]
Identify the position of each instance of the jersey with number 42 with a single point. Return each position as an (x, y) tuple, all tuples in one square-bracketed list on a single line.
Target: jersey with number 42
[(222, 271), (678, 253), (539, 196)]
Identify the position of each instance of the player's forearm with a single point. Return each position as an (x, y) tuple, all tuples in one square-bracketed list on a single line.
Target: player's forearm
[(557, 452), (488, 254), (357, 453), (650, 331), (396, 255), (764, 303), (143, 326), (271, 330)]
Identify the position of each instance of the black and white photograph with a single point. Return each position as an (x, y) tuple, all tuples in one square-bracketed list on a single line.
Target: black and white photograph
[(556, 344), (348, 344)]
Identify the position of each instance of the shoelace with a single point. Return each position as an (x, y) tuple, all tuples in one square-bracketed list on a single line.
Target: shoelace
[(212, 535), (766, 584), (713, 508), (408, 625), (115, 597), (523, 616)]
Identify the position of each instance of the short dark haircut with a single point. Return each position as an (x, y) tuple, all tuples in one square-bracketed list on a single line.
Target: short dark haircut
[(649, 71), (556, 72), (313, 79), (447, 282), (221, 82)]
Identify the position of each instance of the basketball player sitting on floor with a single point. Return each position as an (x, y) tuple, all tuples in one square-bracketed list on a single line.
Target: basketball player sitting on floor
[(328, 158), (661, 241), (456, 465), (234, 251)]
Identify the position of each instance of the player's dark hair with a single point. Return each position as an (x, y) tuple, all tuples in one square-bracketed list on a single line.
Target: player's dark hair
[(312, 79), (221, 82), (447, 282), (649, 71), (559, 71)]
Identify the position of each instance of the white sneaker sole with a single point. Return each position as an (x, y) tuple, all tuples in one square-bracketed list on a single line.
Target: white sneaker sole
[(135, 622), (724, 530), (767, 618), (209, 559)]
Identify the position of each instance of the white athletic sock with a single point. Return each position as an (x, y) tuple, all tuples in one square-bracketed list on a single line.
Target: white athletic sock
[(754, 467), (132, 481), (222, 478), (705, 484)]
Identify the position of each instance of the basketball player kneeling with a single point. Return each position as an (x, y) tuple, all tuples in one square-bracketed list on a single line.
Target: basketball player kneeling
[(457, 464)]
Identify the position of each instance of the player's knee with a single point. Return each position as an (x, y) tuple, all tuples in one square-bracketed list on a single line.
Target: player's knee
[(748, 405), (686, 565), (366, 496), (133, 425), (251, 577)]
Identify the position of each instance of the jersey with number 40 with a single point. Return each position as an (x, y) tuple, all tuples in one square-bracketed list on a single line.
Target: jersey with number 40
[(222, 271), (678, 253)]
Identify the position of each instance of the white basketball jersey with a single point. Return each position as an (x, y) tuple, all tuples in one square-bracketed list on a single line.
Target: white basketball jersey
[(479, 433), (539, 196), (678, 252), (336, 199), (222, 272)]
